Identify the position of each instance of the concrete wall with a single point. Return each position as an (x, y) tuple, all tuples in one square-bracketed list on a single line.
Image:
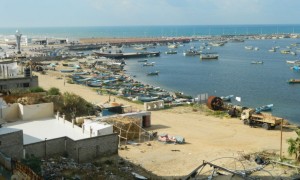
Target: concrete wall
[(11, 113), (82, 150), (17, 111), (12, 144), (12, 83), (36, 111), (154, 105)]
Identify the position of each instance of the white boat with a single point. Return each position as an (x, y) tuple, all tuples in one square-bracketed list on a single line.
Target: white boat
[(256, 48), (293, 61), (257, 62), (173, 46), (217, 44), (149, 64), (140, 48), (293, 53), (249, 47), (272, 49)]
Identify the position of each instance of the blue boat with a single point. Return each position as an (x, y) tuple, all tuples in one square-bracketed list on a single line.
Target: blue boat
[(264, 108), (226, 98)]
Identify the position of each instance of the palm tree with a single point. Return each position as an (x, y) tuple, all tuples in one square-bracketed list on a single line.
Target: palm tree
[(294, 146)]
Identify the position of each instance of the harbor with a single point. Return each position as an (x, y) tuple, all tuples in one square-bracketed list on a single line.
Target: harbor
[(176, 89), (170, 77)]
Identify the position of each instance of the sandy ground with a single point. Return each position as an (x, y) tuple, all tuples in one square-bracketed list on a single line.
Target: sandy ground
[(207, 138)]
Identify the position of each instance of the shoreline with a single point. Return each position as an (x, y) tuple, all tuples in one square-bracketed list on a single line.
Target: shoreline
[(207, 137)]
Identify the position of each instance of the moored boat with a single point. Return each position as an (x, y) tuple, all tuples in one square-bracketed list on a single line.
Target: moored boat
[(149, 64), (293, 81), (227, 98), (127, 55), (264, 108), (191, 52), (171, 52), (293, 61), (249, 47), (257, 62), (285, 51), (67, 70), (143, 60), (155, 73), (209, 56)]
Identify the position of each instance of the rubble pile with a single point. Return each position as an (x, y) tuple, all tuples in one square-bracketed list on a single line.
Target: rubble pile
[(106, 168)]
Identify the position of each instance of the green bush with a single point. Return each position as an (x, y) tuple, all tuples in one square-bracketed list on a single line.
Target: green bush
[(53, 91), (36, 89)]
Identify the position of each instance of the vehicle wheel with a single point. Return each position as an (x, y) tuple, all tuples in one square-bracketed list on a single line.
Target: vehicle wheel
[(246, 121), (266, 126)]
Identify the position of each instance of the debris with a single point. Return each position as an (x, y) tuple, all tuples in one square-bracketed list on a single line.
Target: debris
[(171, 139), (175, 150), (137, 176)]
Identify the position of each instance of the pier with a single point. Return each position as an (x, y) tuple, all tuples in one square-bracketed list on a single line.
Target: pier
[(130, 41)]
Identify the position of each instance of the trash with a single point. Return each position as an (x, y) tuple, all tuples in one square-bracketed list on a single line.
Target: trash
[(171, 139), (137, 176)]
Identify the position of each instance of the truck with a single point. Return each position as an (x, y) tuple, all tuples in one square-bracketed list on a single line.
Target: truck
[(265, 120)]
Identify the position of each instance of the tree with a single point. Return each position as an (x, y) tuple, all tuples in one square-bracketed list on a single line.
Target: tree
[(74, 105), (294, 146)]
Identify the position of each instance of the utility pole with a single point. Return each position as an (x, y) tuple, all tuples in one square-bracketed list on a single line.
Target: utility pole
[(281, 139)]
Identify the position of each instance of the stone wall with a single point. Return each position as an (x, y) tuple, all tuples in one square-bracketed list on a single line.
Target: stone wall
[(11, 144)]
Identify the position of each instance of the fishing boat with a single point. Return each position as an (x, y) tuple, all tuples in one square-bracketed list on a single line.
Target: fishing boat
[(146, 98), (171, 52), (191, 52), (149, 64), (272, 49), (257, 62), (227, 98), (285, 51), (67, 70), (256, 48), (140, 48), (249, 47), (297, 68), (143, 60), (209, 56), (155, 73), (294, 81), (293, 61), (264, 108), (172, 46), (126, 55), (215, 44)]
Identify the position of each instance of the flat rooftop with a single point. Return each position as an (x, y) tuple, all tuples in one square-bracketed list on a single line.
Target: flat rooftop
[(36, 131)]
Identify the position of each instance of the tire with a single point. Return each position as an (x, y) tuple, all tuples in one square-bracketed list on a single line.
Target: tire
[(266, 126), (246, 121)]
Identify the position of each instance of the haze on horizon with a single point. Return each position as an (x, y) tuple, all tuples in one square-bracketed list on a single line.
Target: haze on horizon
[(66, 13)]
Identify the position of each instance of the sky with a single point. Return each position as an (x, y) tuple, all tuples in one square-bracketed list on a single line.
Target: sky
[(65, 13)]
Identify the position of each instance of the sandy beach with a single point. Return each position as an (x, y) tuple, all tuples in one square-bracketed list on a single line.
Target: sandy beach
[(207, 137)]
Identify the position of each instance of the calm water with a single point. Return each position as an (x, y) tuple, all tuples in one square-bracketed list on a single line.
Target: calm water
[(151, 31), (233, 73)]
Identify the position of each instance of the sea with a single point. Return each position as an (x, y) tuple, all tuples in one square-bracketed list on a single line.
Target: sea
[(231, 74)]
